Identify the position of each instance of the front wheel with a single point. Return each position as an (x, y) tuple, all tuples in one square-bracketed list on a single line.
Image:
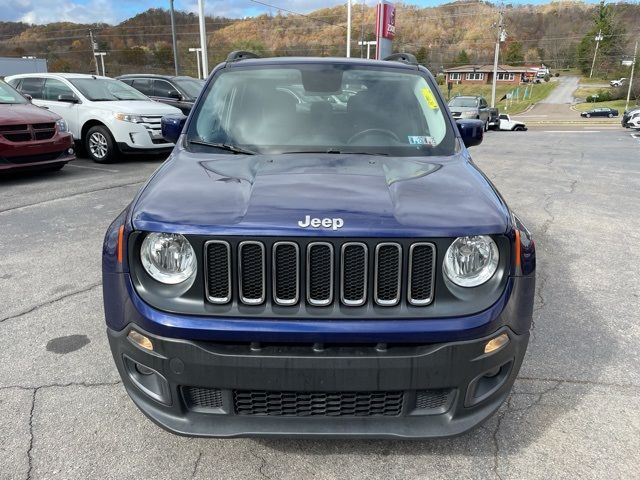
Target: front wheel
[(99, 145), (588, 115), (611, 115)]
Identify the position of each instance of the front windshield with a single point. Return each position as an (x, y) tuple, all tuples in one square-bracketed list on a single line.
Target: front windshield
[(323, 108), (191, 86), (106, 89), (9, 96), (464, 102)]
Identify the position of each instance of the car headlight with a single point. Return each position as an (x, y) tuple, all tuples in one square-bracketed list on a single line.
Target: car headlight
[(471, 261), (61, 125), (128, 117), (168, 257)]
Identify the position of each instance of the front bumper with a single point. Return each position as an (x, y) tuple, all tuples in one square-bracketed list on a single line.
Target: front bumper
[(440, 389), (36, 154), (137, 138)]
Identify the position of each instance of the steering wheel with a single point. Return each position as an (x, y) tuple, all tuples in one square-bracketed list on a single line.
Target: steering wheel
[(370, 131)]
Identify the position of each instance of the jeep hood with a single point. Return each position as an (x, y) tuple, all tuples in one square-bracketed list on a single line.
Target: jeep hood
[(268, 195)]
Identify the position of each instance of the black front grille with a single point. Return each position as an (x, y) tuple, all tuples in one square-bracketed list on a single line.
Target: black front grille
[(24, 133), (218, 256), (354, 273), (286, 268), (316, 404), (320, 274), (387, 275), (421, 269), (252, 273), (200, 397)]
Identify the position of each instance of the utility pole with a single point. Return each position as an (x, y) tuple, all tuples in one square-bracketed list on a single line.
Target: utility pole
[(361, 43), (197, 50), (599, 38), (173, 37), (502, 35), (633, 67), (203, 40), (348, 28), (94, 47), (101, 55)]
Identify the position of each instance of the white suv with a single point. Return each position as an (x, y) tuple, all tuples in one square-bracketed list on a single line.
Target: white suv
[(107, 116)]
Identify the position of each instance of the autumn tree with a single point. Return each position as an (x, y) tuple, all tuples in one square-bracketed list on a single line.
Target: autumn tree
[(513, 55), (463, 58), (422, 55), (612, 43)]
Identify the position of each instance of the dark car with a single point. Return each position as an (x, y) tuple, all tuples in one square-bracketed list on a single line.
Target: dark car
[(180, 92), (319, 272), (600, 112), (626, 116), (31, 137)]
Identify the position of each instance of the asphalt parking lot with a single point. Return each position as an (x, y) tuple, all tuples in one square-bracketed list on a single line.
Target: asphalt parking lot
[(573, 412)]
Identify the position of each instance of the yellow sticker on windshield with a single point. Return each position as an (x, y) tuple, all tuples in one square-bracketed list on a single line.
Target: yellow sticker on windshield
[(430, 98)]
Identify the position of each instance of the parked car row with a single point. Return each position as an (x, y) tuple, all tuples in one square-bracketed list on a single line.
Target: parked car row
[(42, 114)]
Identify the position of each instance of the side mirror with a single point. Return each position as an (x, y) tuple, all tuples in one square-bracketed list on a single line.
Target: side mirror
[(172, 126), (174, 94), (471, 131), (67, 97), (27, 96)]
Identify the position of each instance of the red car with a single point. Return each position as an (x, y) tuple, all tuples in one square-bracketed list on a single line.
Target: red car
[(31, 137)]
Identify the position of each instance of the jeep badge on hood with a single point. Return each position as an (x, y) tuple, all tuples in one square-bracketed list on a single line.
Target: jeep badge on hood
[(333, 223)]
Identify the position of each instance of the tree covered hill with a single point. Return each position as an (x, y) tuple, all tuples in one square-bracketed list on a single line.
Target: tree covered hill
[(559, 34)]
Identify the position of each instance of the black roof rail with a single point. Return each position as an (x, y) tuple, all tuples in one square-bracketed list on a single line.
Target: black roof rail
[(238, 55), (402, 57)]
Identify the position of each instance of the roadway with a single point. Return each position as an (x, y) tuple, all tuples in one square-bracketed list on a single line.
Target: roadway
[(573, 412)]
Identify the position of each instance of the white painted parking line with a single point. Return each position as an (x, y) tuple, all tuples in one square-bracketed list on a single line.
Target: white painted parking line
[(92, 168)]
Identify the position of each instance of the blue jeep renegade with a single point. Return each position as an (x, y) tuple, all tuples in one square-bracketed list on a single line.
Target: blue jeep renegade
[(319, 256)]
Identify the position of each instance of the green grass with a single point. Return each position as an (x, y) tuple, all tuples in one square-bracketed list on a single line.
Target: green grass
[(584, 92), (540, 92), (593, 80)]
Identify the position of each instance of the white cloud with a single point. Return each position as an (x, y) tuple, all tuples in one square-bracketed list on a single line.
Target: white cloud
[(46, 11)]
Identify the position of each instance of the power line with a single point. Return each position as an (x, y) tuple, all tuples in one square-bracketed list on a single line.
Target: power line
[(297, 13)]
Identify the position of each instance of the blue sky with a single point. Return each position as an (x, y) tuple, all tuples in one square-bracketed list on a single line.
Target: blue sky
[(114, 11)]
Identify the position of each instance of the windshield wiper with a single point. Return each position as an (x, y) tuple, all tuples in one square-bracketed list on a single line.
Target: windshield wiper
[(336, 152), (223, 146), (103, 99)]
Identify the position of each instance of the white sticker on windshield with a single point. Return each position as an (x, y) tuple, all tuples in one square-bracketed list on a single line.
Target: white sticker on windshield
[(422, 140)]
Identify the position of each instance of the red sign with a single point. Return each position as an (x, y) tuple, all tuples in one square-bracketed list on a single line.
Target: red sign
[(389, 25)]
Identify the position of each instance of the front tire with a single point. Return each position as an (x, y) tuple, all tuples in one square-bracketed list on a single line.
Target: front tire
[(588, 115), (611, 115), (99, 145)]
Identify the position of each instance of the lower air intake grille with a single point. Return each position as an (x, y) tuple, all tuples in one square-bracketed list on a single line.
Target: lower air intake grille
[(198, 397), (306, 404), (432, 399)]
